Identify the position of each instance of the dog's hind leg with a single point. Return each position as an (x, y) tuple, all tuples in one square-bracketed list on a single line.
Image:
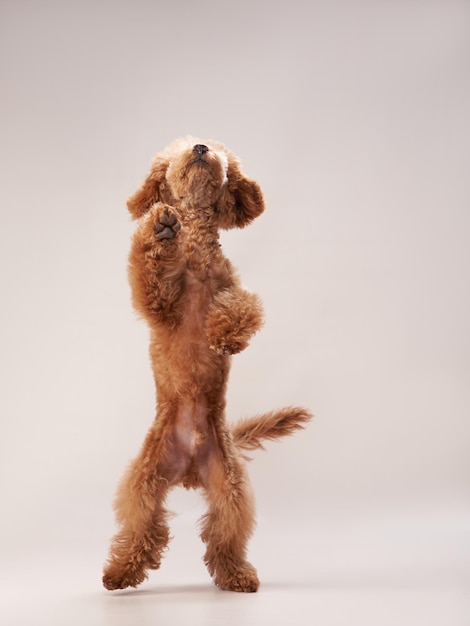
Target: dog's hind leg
[(228, 525), (140, 511)]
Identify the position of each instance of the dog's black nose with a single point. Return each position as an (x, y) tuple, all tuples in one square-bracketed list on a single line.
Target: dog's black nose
[(200, 149)]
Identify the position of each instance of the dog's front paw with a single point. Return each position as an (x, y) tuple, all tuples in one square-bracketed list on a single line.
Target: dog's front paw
[(232, 320), (167, 225)]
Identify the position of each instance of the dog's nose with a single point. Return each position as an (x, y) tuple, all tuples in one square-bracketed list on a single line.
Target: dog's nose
[(200, 149)]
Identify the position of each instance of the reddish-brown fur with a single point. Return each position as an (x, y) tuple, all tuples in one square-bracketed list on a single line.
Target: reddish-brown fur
[(199, 315)]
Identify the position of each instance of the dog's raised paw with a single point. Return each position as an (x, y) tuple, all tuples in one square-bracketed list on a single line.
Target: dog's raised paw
[(167, 226)]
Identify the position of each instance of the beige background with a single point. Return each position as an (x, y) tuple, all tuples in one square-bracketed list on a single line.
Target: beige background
[(354, 118)]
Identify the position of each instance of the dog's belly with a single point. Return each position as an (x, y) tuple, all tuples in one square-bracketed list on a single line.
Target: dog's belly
[(192, 444)]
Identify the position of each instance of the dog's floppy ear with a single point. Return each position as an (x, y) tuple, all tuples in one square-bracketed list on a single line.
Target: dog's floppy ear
[(150, 190), (242, 199)]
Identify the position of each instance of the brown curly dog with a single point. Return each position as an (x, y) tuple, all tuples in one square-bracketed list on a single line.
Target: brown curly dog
[(199, 315)]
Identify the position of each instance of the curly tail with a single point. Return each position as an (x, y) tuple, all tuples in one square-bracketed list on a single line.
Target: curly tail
[(248, 433)]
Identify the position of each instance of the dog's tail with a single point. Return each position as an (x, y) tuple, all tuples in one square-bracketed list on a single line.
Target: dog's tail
[(248, 433)]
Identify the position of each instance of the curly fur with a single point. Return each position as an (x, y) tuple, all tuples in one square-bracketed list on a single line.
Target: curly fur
[(199, 315)]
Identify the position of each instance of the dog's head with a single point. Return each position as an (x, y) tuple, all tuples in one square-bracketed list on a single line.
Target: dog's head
[(194, 174)]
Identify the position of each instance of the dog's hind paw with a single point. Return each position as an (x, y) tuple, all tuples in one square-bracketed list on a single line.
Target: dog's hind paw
[(167, 225), (122, 579), (243, 579)]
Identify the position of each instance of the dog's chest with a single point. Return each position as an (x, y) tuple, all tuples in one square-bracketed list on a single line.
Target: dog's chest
[(197, 297), (202, 277)]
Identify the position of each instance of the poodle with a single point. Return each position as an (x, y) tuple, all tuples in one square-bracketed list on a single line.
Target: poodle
[(199, 315)]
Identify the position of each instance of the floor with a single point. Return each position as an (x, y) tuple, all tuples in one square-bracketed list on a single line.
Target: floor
[(377, 574)]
